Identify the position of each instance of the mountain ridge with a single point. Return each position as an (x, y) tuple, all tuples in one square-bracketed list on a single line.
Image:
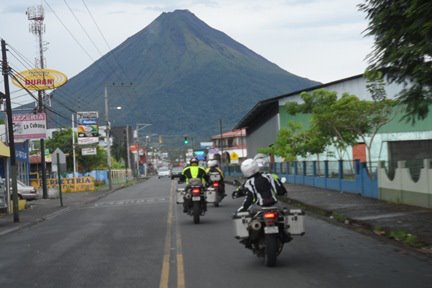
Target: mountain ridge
[(183, 72)]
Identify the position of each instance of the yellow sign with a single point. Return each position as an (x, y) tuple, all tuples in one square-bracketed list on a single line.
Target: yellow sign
[(39, 79), (234, 156), (77, 184)]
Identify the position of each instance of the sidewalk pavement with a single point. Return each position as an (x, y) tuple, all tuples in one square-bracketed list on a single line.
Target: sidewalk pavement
[(409, 225)]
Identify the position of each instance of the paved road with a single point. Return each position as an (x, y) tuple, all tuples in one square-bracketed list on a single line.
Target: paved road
[(138, 237)]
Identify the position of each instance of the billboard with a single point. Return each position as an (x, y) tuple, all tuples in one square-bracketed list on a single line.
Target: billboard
[(39, 79), (87, 127), (29, 126)]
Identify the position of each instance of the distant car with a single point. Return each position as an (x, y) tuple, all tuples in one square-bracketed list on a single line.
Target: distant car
[(176, 172), (164, 172), (24, 191)]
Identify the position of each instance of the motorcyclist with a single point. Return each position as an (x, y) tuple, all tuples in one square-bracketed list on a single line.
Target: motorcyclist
[(213, 167), (193, 171), (260, 187), (263, 164)]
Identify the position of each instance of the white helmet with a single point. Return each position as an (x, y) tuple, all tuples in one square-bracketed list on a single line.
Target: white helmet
[(212, 163), (262, 160), (249, 167)]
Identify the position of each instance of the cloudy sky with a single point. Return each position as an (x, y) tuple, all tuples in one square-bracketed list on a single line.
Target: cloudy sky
[(322, 40)]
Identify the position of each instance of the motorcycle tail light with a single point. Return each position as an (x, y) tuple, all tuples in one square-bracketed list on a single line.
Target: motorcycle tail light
[(215, 184), (196, 190), (270, 215)]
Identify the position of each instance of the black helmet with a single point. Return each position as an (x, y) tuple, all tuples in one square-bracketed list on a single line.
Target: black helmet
[(194, 161)]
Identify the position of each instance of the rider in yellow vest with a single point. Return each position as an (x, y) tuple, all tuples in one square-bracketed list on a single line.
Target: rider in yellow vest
[(193, 171)]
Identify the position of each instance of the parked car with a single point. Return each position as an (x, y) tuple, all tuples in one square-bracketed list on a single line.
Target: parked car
[(176, 172), (164, 172), (24, 191)]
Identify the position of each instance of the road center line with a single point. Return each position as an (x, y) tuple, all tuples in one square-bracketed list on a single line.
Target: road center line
[(166, 259), (180, 266)]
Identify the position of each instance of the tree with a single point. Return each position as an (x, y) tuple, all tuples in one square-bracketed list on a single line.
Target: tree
[(62, 139), (403, 49), (339, 122), (327, 118), (88, 163), (293, 141)]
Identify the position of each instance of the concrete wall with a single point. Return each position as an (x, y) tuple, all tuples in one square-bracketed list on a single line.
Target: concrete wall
[(263, 136), (402, 189)]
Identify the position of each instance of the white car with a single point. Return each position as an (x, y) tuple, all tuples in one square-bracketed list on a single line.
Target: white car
[(164, 172), (24, 191)]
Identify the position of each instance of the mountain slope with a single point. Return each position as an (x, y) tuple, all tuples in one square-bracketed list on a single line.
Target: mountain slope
[(185, 75)]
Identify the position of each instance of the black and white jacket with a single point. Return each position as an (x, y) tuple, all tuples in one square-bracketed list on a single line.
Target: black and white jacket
[(260, 190)]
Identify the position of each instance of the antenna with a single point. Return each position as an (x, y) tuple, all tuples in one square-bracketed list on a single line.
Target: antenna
[(36, 17)]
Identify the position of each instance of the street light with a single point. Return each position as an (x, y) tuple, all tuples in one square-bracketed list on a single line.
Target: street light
[(109, 128)]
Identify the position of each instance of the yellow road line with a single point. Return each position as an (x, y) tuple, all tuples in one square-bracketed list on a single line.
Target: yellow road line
[(164, 280), (165, 264), (180, 266)]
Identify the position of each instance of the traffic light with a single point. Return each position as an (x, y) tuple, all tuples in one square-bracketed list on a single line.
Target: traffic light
[(186, 141)]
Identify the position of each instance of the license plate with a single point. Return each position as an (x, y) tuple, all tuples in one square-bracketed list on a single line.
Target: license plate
[(196, 198), (271, 229)]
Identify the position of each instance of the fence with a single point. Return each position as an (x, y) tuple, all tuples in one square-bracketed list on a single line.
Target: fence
[(342, 176)]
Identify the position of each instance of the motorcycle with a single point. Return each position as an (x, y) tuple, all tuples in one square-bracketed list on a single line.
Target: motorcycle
[(216, 188), (265, 230), (195, 197)]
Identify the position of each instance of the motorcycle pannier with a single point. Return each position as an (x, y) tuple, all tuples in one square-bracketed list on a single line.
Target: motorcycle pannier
[(214, 176), (211, 195), (294, 222), (241, 223), (179, 195)]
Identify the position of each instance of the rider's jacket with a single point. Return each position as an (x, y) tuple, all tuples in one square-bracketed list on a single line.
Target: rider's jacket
[(280, 188), (195, 172), (260, 190)]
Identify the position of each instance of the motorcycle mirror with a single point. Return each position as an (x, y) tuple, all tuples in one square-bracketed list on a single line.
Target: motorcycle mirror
[(283, 179)]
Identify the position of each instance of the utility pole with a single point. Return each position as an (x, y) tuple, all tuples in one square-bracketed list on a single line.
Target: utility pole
[(73, 148), (37, 27), (5, 71), (109, 128), (108, 132), (221, 143), (127, 160)]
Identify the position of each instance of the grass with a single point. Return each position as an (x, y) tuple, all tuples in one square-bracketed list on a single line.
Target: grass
[(406, 238)]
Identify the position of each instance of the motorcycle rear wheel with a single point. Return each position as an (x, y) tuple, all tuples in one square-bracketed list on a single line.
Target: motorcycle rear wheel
[(196, 212), (270, 250)]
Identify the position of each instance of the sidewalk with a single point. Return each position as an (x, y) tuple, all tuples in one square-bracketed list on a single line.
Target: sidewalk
[(385, 219)]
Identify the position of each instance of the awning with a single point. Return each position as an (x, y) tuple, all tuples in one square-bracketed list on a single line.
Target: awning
[(4, 150)]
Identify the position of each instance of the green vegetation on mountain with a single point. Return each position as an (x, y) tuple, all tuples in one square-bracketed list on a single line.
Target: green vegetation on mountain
[(185, 76)]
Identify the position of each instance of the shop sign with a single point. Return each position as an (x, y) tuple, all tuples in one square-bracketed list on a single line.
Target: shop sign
[(39, 79)]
